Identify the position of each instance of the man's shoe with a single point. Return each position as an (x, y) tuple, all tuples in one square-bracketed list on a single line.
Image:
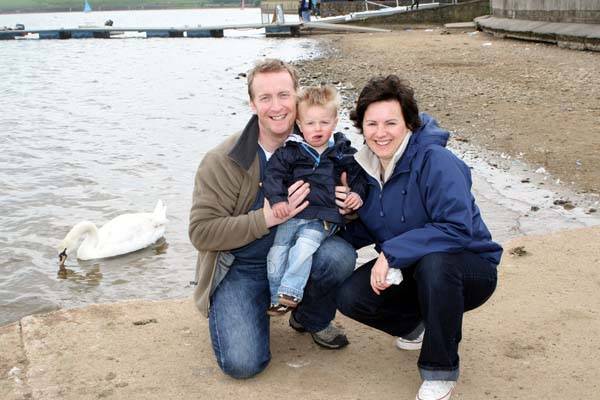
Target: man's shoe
[(410, 344), (436, 390), (329, 338)]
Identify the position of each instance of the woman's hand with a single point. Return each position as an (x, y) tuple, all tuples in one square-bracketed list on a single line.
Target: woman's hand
[(379, 273), (296, 203), (341, 194)]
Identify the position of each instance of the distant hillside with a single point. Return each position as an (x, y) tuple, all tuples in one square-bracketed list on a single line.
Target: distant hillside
[(15, 6)]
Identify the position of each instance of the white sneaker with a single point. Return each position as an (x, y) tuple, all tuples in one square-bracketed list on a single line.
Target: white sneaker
[(435, 390), (410, 344)]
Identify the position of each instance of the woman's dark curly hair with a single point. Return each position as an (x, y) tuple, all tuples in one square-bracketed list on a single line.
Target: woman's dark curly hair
[(387, 88)]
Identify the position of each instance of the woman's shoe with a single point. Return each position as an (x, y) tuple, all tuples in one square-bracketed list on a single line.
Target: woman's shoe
[(410, 344), (436, 390)]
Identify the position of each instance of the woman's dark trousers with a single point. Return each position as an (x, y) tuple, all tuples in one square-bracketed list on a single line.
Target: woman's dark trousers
[(435, 292)]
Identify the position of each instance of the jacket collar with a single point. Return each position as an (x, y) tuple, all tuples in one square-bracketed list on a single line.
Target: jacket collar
[(371, 164), (244, 151)]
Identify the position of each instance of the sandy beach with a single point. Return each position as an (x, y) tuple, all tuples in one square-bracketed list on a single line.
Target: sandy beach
[(537, 338), (530, 100)]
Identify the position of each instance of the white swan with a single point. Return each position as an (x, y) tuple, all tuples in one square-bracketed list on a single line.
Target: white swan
[(123, 234)]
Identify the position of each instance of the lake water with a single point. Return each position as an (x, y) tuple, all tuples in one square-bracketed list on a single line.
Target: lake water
[(90, 129)]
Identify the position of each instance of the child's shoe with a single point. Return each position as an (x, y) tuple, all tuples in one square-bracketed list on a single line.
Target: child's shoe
[(288, 300), (275, 310)]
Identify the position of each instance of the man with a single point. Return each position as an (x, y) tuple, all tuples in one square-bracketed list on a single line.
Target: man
[(305, 9), (233, 227)]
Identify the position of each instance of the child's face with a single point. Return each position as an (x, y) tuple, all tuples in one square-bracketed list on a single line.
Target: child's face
[(316, 123)]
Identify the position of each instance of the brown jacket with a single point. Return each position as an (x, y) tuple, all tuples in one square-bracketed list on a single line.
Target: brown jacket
[(226, 185)]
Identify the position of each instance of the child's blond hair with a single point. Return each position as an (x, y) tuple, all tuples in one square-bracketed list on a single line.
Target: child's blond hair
[(322, 95)]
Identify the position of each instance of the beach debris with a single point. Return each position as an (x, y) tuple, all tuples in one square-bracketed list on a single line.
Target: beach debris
[(578, 163), (472, 33), (518, 251), (525, 180), (242, 75), (591, 210), (461, 139), (535, 208), (298, 364), (486, 44), (146, 321), (566, 204)]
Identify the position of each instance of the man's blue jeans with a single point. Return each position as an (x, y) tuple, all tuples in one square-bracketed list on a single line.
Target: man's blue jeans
[(290, 258), (436, 291), (238, 320)]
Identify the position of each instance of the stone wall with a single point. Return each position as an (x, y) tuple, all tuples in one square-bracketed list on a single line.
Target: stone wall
[(462, 12), (575, 11)]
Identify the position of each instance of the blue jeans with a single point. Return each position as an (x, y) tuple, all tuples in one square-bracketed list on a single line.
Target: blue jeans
[(436, 291), (238, 320), (290, 258)]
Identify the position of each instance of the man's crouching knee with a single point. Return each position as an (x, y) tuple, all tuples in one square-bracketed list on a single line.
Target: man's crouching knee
[(243, 369)]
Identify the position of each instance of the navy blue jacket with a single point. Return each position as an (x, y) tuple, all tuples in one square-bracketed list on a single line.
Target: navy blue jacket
[(295, 161), (425, 207)]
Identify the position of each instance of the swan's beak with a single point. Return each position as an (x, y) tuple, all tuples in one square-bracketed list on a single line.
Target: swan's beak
[(62, 257)]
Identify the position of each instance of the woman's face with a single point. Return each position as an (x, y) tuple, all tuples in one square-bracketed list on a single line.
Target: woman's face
[(384, 129)]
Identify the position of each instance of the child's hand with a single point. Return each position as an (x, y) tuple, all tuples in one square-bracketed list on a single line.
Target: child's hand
[(281, 209), (353, 201)]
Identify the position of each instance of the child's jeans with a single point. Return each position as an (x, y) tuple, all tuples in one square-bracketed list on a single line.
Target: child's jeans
[(290, 258)]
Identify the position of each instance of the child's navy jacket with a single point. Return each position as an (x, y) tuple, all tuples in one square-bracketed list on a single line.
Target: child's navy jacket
[(296, 160)]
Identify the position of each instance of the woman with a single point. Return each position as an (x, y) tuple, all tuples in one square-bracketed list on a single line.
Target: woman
[(423, 219)]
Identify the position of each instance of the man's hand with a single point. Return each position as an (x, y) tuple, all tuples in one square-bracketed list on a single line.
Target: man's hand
[(353, 201), (341, 194), (379, 273), (296, 203), (281, 209)]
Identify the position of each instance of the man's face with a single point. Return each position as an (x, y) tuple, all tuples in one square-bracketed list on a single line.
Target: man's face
[(274, 101)]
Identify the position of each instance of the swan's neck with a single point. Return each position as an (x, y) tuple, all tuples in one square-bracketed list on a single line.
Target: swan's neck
[(86, 230)]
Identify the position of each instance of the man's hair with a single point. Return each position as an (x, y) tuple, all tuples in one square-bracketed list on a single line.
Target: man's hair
[(387, 88), (270, 65), (322, 95)]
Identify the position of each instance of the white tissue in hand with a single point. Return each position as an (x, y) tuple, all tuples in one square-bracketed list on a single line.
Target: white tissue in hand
[(394, 276)]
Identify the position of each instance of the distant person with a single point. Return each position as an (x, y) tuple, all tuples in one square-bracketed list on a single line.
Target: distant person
[(305, 8), (232, 226), (319, 158), (415, 4), (426, 227)]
